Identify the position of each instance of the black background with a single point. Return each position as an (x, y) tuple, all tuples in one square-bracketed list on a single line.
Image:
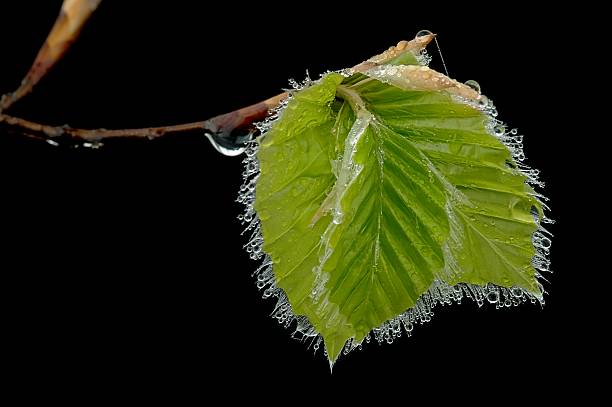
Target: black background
[(124, 266)]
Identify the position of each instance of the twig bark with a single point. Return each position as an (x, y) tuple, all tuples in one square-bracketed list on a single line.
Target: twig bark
[(219, 125)]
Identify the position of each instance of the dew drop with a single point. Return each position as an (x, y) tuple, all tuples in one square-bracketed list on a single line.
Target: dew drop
[(93, 145), (423, 33), (474, 85), (517, 292), (483, 102), (499, 130), (545, 243), (338, 216)]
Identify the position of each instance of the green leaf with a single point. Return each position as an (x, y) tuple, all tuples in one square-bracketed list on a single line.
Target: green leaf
[(380, 192)]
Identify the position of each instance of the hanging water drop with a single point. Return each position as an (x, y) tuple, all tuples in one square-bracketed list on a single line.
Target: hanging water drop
[(232, 144), (474, 85)]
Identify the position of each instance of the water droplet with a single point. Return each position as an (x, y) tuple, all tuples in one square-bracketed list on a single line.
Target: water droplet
[(423, 33), (231, 144), (483, 102), (474, 85), (545, 243), (338, 216), (493, 297), (499, 130), (513, 131), (93, 145), (517, 292)]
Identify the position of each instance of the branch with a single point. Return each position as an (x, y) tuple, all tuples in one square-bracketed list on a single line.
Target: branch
[(73, 15), (218, 126)]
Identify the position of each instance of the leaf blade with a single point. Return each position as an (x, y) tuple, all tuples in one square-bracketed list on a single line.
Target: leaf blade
[(414, 190)]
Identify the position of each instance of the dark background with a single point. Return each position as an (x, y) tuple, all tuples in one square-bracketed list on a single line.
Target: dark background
[(124, 265)]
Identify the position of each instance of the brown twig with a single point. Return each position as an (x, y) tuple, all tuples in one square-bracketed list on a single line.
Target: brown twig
[(73, 15), (221, 125)]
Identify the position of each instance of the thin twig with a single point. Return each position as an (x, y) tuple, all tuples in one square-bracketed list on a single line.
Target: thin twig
[(220, 125), (73, 15)]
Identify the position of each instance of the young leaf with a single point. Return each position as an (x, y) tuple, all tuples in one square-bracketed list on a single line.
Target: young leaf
[(384, 191)]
